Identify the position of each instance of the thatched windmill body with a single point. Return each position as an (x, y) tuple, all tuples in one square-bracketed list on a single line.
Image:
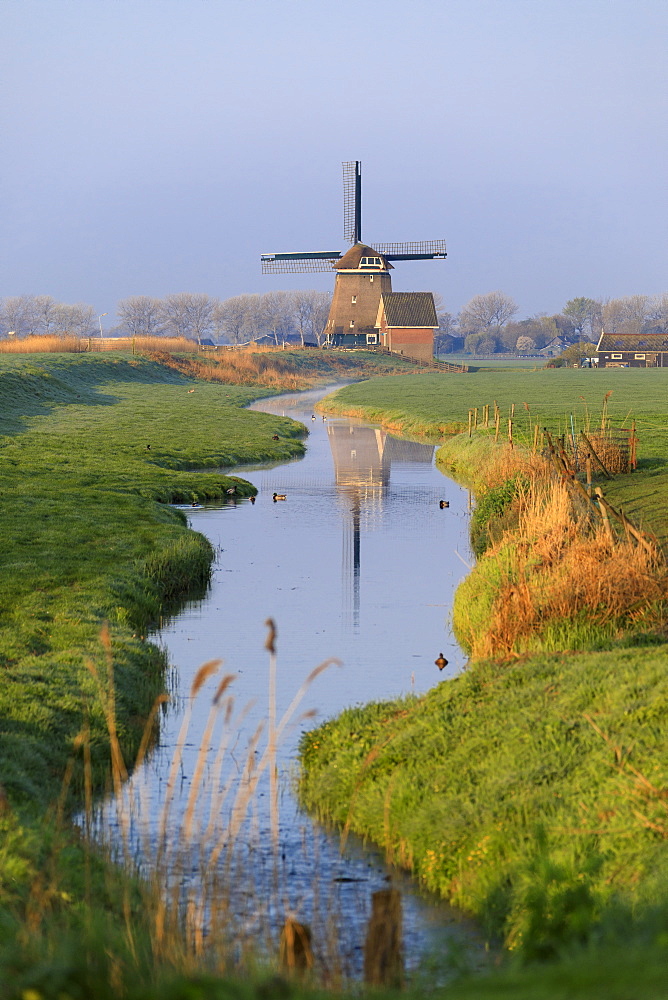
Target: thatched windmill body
[(362, 272)]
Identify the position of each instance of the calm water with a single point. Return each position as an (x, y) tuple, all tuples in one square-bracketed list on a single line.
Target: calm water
[(360, 564)]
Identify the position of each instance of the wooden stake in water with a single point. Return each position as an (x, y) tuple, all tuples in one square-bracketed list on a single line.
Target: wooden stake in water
[(270, 645), (383, 953)]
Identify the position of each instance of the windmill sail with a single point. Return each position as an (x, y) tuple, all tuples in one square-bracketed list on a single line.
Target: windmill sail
[(421, 250), (298, 263), (352, 201)]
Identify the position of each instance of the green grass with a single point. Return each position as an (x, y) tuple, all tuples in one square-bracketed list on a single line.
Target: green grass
[(532, 794), (87, 537)]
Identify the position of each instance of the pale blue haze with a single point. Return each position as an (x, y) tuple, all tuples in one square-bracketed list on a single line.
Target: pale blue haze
[(157, 146)]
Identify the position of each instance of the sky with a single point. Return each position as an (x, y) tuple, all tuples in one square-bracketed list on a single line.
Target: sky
[(160, 146)]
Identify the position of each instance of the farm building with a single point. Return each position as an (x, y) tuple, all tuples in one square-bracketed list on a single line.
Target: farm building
[(633, 350), (406, 322)]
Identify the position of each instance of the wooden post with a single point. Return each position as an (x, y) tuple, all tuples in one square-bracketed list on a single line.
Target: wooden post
[(633, 460), (486, 417), (296, 954), (588, 464), (470, 421), (510, 433), (383, 957), (475, 419), (512, 411), (497, 422), (602, 506)]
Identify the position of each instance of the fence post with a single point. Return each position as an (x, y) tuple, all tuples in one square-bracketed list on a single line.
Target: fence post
[(296, 954), (604, 514), (470, 421), (383, 958), (510, 432)]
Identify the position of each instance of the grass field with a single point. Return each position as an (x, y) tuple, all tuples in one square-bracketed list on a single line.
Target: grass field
[(456, 783)]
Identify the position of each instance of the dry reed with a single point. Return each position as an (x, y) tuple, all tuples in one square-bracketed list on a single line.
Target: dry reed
[(198, 881), (36, 345), (559, 568)]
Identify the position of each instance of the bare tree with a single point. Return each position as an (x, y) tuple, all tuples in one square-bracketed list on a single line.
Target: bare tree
[(626, 315), (231, 318), (189, 315), (487, 313), (141, 316), (76, 320), (310, 310), (658, 311), (276, 309), (14, 315)]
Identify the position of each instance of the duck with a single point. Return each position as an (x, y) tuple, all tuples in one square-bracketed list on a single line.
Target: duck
[(313, 416), (443, 504), (275, 437), (252, 499), (195, 504), (441, 661), (279, 496), (232, 490)]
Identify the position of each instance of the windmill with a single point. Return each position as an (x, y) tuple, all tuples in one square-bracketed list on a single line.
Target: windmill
[(362, 272)]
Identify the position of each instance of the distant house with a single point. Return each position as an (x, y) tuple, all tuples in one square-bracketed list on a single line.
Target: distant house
[(626, 350), (406, 323), (555, 346)]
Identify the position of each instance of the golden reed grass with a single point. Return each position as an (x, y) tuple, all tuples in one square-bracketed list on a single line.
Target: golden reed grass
[(239, 367), (200, 893), (36, 345), (560, 567)]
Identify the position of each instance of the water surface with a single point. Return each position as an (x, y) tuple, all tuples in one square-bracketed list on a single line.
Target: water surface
[(358, 563)]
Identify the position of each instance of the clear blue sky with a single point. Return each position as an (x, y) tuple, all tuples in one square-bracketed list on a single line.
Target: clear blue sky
[(157, 146)]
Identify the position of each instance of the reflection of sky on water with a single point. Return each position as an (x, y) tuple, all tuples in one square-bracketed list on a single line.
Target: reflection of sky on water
[(359, 563)]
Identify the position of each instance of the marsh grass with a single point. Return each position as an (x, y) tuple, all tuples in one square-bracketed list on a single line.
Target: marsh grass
[(181, 889), (194, 861)]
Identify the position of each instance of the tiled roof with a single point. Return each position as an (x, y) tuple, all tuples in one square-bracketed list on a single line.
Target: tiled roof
[(410, 309), (634, 342)]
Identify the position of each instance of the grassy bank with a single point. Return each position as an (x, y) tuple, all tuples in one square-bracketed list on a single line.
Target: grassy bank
[(531, 789)]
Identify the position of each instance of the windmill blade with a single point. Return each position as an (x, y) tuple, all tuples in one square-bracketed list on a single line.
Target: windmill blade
[(422, 250), (298, 263), (352, 201)]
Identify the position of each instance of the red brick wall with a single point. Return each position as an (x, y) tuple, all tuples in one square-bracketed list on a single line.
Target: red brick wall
[(416, 343)]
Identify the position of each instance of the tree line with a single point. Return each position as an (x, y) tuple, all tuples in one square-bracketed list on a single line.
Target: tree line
[(486, 324), (275, 316)]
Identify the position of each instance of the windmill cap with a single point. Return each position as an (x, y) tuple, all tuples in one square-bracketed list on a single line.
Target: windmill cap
[(351, 259)]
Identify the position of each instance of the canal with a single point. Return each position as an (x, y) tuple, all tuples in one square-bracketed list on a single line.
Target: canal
[(358, 564)]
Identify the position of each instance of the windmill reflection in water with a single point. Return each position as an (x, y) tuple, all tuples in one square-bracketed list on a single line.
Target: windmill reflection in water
[(363, 457)]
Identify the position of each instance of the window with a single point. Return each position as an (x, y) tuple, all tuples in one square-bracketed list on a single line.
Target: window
[(640, 357), (372, 338), (371, 277), (354, 299), (352, 323), (620, 356), (371, 262)]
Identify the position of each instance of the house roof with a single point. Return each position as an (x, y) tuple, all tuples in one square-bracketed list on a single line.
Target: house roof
[(651, 341), (409, 309), (351, 259)]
